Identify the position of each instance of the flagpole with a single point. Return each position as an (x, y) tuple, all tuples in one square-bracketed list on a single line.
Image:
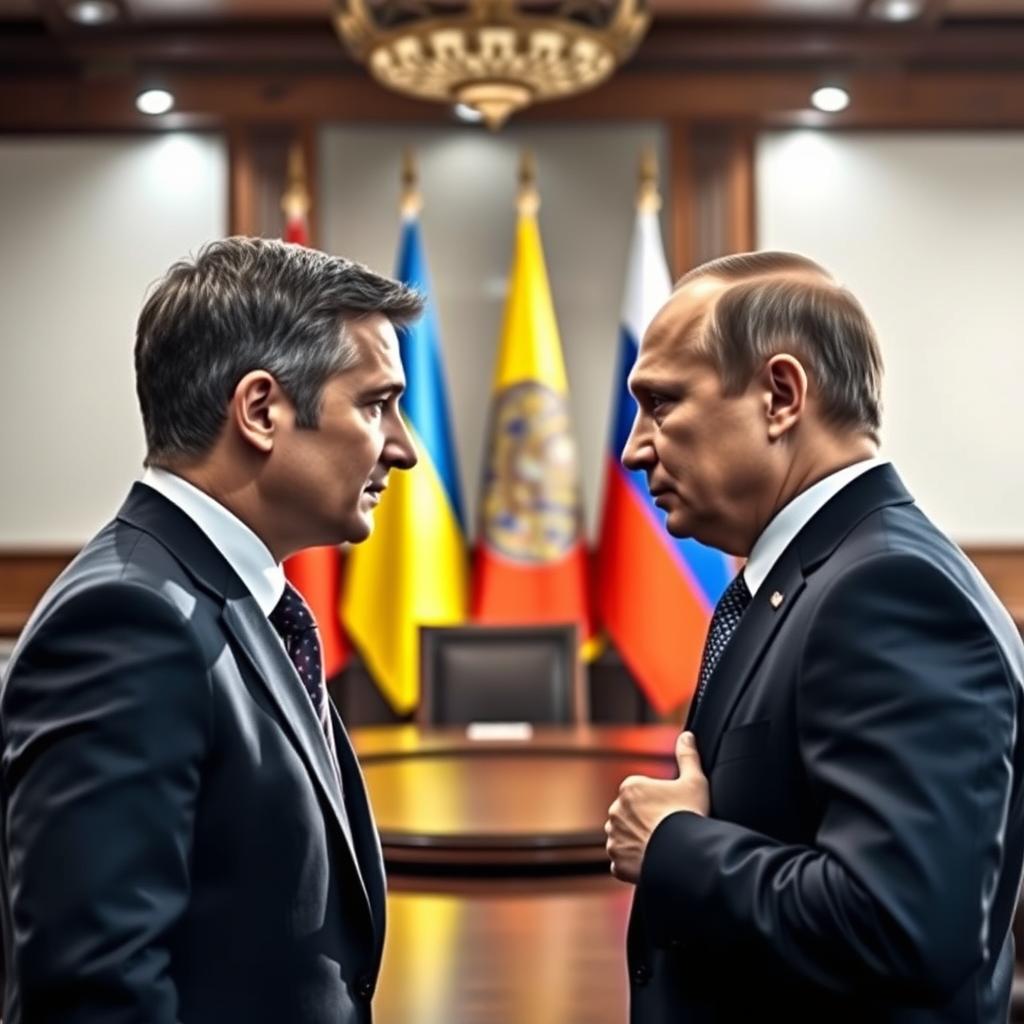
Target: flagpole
[(528, 201), (411, 201), (295, 200), (648, 198)]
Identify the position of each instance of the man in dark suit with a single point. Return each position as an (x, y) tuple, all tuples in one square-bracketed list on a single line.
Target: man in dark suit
[(845, 837), (186, 833)]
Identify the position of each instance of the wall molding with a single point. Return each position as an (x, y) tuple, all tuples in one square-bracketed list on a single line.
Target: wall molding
[(25, 573)]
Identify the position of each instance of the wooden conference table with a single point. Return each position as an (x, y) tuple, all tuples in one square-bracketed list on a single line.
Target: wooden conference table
[(500, 905), (443, 799)]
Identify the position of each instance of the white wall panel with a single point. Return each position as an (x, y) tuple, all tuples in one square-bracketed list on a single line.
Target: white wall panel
[(86, 225), (928, 231)]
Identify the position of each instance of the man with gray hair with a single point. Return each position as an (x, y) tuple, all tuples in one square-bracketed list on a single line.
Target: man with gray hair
[(845, 838), (186, 832)]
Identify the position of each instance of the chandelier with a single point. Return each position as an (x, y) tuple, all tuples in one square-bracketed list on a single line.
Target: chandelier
[(496, 56)]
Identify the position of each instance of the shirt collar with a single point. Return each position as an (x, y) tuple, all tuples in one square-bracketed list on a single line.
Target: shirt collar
[(793, 517), (245, 552)]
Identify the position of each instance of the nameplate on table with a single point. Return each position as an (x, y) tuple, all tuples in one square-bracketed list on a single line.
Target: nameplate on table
[(491, 731)]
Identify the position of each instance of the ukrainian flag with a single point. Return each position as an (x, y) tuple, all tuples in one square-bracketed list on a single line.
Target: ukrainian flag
[(413, 569)]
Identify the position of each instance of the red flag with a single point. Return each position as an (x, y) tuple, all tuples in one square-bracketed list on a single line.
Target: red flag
[(315, 572)]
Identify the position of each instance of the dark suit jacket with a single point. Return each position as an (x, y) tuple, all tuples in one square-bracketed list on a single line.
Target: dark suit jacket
[(863, 743), (173, 845)]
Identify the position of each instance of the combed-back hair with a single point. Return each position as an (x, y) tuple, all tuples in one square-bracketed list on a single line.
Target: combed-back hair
[(783, 302), (246, 304)]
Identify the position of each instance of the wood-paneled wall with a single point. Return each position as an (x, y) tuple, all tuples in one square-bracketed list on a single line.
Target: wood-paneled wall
[(25, 575)]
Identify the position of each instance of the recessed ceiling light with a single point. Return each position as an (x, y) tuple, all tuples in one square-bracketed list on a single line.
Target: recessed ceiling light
[(830, 98), (896, 10), (92, 12), (464, 112), (154, 101)]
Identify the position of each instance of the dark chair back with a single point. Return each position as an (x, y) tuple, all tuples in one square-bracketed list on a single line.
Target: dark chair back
[(500, 674)]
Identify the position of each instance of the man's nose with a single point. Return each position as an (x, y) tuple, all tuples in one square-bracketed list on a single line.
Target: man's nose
[(399, 449), (638, 451)]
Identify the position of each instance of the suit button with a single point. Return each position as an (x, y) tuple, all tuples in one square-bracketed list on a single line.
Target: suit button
[(364, 986), (641, 974)]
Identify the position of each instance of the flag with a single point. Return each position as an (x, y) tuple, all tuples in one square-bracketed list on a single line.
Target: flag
[(531, 562), (315, 572), (413, 570), (655, 593)]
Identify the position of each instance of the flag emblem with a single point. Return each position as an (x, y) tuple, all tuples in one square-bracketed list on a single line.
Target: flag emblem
[(531, 505)]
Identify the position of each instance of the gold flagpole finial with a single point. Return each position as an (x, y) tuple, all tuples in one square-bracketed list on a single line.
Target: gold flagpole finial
[(528, 202), (295, 202), (648, 198), (412, 200)]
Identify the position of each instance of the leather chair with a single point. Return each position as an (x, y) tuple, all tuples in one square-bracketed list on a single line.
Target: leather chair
[(500, 674)]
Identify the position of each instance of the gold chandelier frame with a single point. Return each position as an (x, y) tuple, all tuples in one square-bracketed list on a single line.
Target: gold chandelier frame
[(492, 55)]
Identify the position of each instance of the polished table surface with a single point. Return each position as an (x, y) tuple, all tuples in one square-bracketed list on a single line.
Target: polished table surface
[(441, 798), (540, 950), (523, 947)]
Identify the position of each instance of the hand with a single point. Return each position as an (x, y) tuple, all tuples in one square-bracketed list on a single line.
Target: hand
[(642, 803)]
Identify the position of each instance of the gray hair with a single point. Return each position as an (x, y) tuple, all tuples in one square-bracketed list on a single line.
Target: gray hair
[(783, 302), (246, 304)]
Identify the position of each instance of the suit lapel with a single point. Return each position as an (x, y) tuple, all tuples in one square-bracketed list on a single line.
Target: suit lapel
[(247, 623), (817, 540), (734, 671), (367, 840), (151, 512)]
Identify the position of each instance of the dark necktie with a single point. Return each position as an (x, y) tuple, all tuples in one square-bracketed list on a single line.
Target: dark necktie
[(296, 626), (728, 612)]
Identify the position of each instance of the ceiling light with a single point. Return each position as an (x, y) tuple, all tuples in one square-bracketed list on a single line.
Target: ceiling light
[(497, 56), (464, 112), (154, 101), (830, 98), (896, 10), (92, 12)]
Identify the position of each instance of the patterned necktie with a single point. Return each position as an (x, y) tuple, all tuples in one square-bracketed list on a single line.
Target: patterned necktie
[(728, 612), (296, 626)]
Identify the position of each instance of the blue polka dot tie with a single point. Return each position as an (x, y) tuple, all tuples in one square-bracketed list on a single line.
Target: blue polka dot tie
[(296, 626), (728, 612)]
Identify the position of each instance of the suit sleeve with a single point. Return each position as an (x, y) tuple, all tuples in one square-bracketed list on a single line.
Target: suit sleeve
[(105, 726), (907, 723)]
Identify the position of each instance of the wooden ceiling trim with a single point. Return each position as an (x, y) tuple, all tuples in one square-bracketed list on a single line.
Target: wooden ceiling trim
[(882, 100), (934, 13), (301, 46)]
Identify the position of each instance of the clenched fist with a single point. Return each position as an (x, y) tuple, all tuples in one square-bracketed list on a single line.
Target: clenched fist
[(643, 802)]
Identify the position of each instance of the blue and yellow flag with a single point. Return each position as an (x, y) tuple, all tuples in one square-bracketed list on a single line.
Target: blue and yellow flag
[(413, 569)]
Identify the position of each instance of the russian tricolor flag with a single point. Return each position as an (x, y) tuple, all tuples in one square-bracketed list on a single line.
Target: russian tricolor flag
[(655, 593)]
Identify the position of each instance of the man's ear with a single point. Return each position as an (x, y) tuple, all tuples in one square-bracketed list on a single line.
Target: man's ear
[(259, 409), (785, 386)]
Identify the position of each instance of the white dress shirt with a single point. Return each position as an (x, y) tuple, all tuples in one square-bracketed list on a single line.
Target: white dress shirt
[(793, 517), (245, 552)]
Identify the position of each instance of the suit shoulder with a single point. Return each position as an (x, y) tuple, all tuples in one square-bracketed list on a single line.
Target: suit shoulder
[(120, 557), (121, 577), (912, 572), (909, 533)]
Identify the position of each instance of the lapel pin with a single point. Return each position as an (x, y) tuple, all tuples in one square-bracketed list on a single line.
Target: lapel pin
[(776, 599)]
